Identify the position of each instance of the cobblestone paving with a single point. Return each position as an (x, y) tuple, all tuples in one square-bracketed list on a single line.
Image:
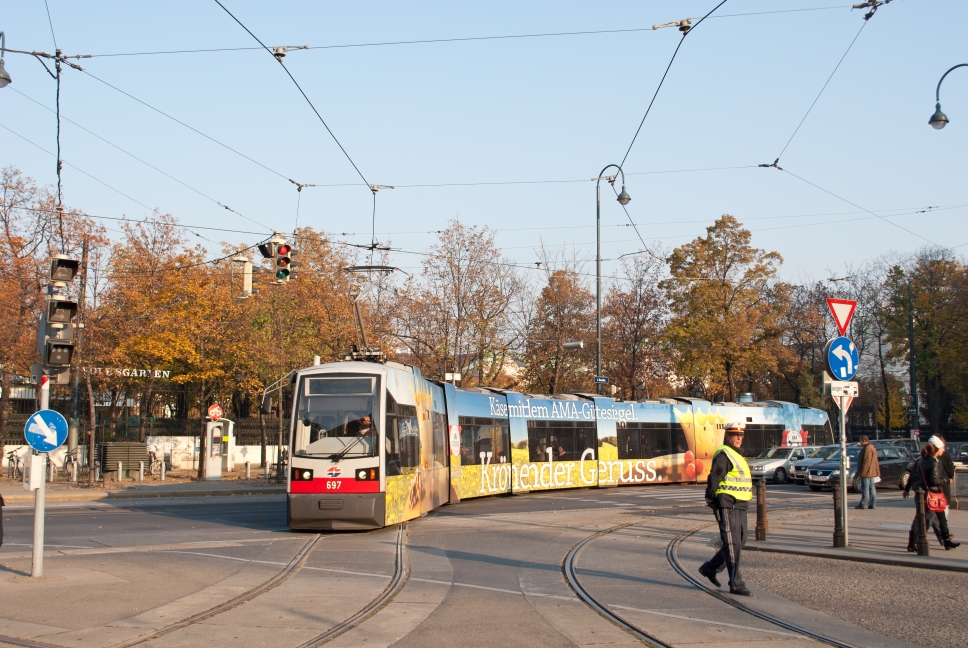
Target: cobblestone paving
[(920, 606)]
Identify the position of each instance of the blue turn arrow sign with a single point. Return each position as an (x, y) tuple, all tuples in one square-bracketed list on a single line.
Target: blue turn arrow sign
[(46, 430), (842, 358)]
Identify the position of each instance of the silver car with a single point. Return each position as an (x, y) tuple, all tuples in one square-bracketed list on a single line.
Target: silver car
[(777, 463)]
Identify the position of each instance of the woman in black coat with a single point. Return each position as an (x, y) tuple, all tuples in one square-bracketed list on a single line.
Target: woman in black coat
[(927, 474)]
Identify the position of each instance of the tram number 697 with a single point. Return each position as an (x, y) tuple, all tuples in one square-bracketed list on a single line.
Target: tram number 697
[(333, 484)]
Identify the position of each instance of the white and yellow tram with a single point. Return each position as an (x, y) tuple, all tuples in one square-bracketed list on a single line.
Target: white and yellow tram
[(375, 444)]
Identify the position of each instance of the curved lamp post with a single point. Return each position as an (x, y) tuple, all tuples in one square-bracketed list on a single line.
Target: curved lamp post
[(939, 120), (4, 75), (623, 199)]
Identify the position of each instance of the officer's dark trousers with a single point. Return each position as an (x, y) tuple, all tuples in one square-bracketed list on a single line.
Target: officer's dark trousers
[(732, 530)]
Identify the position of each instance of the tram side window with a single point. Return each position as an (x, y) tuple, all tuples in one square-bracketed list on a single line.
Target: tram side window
[(440, 438), (568, 440), (638, 440), (760, 437), (818, 434), (483, 436), (402, 442)]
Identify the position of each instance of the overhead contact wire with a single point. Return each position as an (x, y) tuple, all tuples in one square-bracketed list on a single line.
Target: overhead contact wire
[(279, 61), (661, 81)]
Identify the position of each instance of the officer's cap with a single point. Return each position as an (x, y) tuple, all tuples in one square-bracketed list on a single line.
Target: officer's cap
[(735, 427)]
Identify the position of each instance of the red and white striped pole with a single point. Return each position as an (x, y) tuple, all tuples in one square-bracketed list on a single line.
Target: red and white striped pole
[(44, 390)]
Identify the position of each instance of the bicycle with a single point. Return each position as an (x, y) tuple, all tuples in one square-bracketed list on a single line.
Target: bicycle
[(14, 467), (154, 464)]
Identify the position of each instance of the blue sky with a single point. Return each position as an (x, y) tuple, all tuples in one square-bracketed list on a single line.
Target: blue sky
[(529, 109)]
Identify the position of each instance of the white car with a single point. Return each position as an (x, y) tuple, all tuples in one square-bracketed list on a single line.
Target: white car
[(777, 463)]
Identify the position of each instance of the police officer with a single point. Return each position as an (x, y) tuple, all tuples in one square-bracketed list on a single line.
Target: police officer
[(728, 492)]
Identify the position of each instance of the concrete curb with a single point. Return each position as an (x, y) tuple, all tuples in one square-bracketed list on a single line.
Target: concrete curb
[(91, 496), (847, 554)]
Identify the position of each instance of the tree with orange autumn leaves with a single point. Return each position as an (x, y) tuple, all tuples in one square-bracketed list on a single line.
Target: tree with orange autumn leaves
[(710, 316)]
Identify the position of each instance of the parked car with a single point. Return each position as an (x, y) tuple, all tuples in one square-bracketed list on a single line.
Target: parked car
[(892, 460), (958, 451), (799, 473), (912, 445), (777, 463)]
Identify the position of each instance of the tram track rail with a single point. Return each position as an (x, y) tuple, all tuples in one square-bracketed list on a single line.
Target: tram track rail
[(284, 574), (401, 574), (400, 577), (571, 575), (672, 555), (287, 572)]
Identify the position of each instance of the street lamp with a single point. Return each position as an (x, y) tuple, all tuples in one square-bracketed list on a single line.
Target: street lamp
[(4, 75), (623, 199), (939, 120)]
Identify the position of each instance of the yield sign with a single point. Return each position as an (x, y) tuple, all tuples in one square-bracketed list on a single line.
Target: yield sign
[(843, 311)]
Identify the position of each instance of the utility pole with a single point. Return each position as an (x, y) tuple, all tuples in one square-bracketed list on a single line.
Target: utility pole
[(914, 413)]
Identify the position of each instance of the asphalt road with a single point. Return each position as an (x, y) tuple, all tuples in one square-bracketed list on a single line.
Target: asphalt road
[(482, 572)]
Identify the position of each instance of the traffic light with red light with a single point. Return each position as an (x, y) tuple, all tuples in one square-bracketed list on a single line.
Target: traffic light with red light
[(283, 262)]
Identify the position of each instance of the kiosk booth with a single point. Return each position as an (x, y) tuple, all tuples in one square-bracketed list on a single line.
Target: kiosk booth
[(220, 448)]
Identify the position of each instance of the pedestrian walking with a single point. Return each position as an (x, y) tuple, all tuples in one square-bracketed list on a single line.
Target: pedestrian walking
[(927, 475), (947, 465), (869, 472), (948, 469), (729, 489)]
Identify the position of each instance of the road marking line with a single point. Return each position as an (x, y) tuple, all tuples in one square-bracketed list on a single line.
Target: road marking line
[(685, 618), (497, 589), (269, 562)]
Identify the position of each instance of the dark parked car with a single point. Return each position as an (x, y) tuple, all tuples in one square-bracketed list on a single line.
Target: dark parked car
[(959, 452), (912, 445), (892, 459), (799, 473)]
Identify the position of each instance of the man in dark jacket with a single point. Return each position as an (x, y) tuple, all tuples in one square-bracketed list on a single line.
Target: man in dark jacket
[(867, 470), (728, 492)]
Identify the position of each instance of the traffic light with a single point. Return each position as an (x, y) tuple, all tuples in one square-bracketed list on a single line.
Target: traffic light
[(55, 331), (61, 311), (283, 262), (62, 269), (268, 249)]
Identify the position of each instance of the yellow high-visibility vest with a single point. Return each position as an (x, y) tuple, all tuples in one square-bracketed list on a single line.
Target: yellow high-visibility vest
[(738, 482)]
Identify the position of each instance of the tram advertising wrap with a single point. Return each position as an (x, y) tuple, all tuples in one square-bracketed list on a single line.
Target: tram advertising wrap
[(376, 444)]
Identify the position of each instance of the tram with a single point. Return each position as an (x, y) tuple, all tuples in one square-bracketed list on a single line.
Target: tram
[(374, 444)]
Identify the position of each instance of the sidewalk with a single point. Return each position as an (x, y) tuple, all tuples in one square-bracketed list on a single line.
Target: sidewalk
[(60, 491), (876, 536)]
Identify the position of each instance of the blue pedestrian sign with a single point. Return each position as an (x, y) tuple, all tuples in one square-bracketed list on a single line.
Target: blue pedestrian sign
[(46, 430), (842, 358)]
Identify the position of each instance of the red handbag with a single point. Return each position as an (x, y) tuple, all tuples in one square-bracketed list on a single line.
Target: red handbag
[(935, 502)]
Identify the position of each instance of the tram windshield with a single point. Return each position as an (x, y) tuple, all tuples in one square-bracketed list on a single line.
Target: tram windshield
[(337, 416)]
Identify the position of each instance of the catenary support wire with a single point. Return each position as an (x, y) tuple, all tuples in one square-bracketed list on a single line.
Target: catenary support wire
[(817, 98)]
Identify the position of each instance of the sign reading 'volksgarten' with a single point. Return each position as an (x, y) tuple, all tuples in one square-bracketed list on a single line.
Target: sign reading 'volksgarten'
[(127, 373)]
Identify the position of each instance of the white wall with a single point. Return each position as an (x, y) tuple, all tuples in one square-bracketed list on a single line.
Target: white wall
[(183, 451)]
